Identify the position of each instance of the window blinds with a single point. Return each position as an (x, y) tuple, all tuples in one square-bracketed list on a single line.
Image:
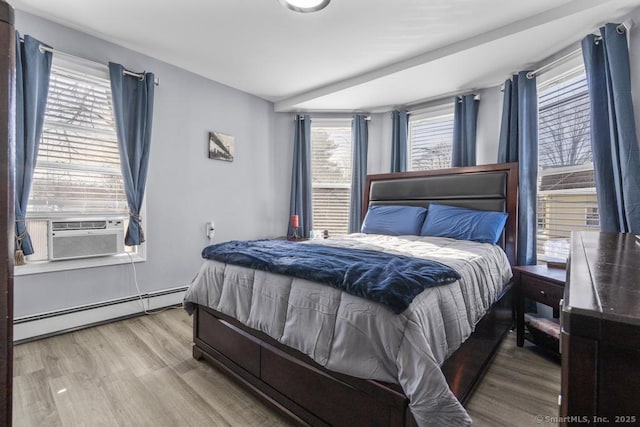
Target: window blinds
[(566, 184), (78, 166), (431, 140), (331, 165)]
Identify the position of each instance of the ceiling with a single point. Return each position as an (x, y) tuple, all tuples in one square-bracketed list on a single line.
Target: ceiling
[(355, 55)]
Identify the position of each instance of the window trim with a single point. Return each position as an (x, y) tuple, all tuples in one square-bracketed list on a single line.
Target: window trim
[(38, 267)]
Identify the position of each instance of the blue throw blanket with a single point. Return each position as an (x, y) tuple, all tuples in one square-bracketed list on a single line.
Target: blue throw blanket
[(392, 280)]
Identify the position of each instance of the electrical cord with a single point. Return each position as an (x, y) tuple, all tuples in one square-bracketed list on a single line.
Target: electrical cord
[(135, 281)]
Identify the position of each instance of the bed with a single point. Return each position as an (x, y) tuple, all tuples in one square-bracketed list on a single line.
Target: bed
[(279, 364)]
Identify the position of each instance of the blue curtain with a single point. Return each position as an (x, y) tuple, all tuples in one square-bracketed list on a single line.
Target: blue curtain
[(465, 119), (301, 202), (508, 142), (519, 143), (360, 138), (400, 129), (33, 69), (613, 134), (133, 113)]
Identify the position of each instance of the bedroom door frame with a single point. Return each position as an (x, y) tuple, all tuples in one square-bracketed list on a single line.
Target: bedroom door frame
[(7, 159)]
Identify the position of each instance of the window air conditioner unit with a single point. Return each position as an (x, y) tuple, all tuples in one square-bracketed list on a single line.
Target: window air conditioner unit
[(84, 238)]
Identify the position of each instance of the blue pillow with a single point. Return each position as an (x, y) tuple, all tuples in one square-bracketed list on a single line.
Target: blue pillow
[(393, 220), (463, 224)]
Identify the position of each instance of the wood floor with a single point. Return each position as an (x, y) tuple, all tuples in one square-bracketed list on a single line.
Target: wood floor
[(139, 372), (521, 383)]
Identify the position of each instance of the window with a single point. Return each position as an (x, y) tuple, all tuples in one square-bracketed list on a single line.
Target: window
[(566, 184), (77, 171), (431, 139), (331, 175), (592, 217)]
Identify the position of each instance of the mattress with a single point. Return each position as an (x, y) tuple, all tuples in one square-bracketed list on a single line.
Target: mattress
[(361, 338)]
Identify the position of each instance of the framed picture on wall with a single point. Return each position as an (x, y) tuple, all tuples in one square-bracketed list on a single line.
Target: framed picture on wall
[(221, 146)]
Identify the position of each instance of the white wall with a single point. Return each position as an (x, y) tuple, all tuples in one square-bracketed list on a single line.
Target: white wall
[(248, 198)]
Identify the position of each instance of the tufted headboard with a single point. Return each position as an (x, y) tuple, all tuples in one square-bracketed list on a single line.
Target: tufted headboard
[(486, 187)]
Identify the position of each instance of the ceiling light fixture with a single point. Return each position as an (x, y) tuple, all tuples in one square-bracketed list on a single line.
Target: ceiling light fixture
[(305, 6)]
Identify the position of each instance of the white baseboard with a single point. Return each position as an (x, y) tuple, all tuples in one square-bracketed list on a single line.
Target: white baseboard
[(42, 325)]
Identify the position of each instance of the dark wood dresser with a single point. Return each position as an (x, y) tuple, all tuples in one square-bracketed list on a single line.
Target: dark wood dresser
[(600, 337)]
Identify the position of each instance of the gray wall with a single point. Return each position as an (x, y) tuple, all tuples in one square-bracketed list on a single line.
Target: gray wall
[(248, 198), (488, 131), (379, 155)]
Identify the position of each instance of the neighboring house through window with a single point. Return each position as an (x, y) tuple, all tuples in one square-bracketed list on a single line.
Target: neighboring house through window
[(331, 174), (77, 172), (566, 184), (431, 138)]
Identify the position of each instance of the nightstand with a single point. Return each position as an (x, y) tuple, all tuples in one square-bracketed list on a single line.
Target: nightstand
[(537, 283)]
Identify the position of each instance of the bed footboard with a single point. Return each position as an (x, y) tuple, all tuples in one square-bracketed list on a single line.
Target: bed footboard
[(293, 383)]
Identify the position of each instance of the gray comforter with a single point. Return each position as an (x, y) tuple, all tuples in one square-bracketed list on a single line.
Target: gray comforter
[(354, 336)]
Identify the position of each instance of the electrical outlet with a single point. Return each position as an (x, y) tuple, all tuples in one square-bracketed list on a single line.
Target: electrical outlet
[(210, 229)]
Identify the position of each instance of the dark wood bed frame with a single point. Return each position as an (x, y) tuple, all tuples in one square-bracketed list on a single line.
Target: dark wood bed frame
[(311, 395)]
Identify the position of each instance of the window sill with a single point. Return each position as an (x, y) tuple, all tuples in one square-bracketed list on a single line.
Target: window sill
[(38, 267)]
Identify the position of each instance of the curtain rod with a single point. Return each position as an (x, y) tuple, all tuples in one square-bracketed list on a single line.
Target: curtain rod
[(545, 67), (43, 48), (368, 118), (621, 29)]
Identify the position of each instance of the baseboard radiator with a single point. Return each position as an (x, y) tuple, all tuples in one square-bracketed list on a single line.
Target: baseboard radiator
[(43, 325)]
